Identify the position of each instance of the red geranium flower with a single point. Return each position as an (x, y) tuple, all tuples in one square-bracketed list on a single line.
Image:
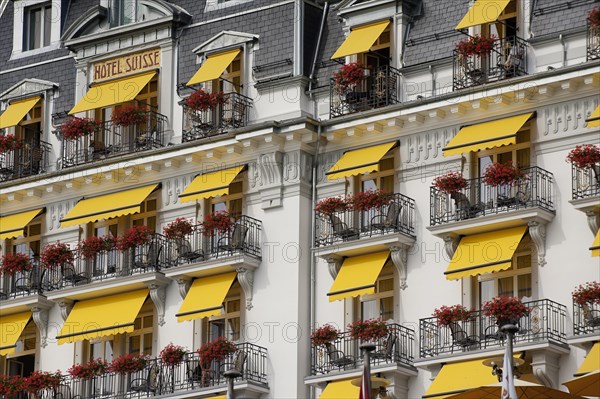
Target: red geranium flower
[(584, 156), (57, 254)]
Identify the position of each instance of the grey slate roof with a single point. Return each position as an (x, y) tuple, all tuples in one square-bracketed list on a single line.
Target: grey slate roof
[(554, 16)]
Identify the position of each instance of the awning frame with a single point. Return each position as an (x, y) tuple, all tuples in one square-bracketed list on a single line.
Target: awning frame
[(182, 195)]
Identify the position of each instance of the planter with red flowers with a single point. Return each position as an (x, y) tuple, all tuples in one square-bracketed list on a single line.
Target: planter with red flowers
[(201, 100), (128, 364), (11, 385), (217, 222), (324, 335), (502, 174), (447, 315), (368, 330), (134, 237), (129, 114), (587, 294), (366, 200), (11, 264), (216, 350), (172, 355), (92, 246), (348, 76), (477, 45), (329, 206), (593, 18), (42, 380), (178, 229), (450, 183), (74, 127), (54, 255), (93, 368), (8, 142), (506, 310), (584, 156)]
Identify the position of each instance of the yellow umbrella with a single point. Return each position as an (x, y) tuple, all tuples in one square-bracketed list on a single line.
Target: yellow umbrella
[(525, 390), (586, 385)]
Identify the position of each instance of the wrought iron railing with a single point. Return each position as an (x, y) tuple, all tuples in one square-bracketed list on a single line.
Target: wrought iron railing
[(158, 379), (378, 88), (593, 42), (29, 158), (586, 318), (145, 258), (585, 182), (398, 216), (507, 59), (232, 114), (22, 284), (344, 352), (110, 140), (479, 199), (545, 322)]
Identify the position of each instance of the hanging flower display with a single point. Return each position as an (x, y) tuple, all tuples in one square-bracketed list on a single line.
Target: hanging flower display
[(446, 315), (587, 294), (201, 100), (451, 182), (127, 364), (57, 254), (505, 309), (593, 17), (331, 205), (220, 221), (500, 174), (129, 114), (324, 335), (40, 380), (8, 142), (217, 349), (172, 354), (92, 246), (349, 75), (134, 237), (178, 229), (368, 330), (12, 385), (584, 156), (476, 45), (74, 127), (365, 200), (15, 263), (91, 369)]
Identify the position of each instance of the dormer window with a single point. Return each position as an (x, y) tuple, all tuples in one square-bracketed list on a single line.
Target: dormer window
[(37, 26), (123, 12)]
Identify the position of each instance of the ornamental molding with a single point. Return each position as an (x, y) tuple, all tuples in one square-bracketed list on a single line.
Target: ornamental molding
[(40, 315), (158, 294), (592, 220), (334, 263), (245, 277), (537, 232), (184, 283), (65, 306), (451, 244), (399, 255)]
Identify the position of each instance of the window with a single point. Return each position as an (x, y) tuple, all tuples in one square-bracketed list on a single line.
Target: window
[(384, 179), (29, 130), (29, 244), (37, 26), (102, 348), (505, 26), (379, 305), (231, 202), (379, 54), (22, 361), (123, 12), (147, 215), (140, 340), (228, 324), (231, 80), (104, 262)]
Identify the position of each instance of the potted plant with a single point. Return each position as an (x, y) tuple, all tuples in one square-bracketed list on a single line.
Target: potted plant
[(91, 369), (584, 156), (201, 100), (348, 75), (40, 380), (217, 222), (127, 364), (450, 183), (447, 315), (92, 246), (56, 255), (505, 309), (134, 237), (216, 350), (74, 127), (324, 335), (8, 142), (172, 354), (368, 330), (178, 229), (329, 206), (587, 294), (11, 264), (501, 174), (365, 200), (593, 18), (11, 385), (129, 114), (476, 45)]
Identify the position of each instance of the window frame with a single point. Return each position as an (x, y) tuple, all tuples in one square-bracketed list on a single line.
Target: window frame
[(381, 174), (387, 273), (234, 294), (45, 29)]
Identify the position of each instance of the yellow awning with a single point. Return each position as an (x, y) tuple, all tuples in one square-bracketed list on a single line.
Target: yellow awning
[(107, 206), (356, 162), (361, 39), (340, 390), (459, 377), (486, 135), (482, 12), (213, 67), (595, 248), (16, 111), (11, 328), (357, 276), (586, 385), (205, 297), (485, 253), (594, 119), (210, 184), (113, 92), (12, 226), (591, 362), (101, 317)]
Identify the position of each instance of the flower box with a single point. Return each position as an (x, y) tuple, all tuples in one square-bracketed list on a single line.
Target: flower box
[(178, 229), (329, 206), (368, 330), (92, 246), (220, 221), (75, 127), (349, 75), (450, 183), (172, 354), (501, 174), (584, 156), (365, 200), (134, 237), (476, 45), (324, 335), (11, 264), (58, 254), (8, 142), (505, 309), (129, 114), (40, 380), (447, 315), (127, 364), (593, 17), (12, 385), (201, 100), (587, 294), (215, 350), (91, 369)]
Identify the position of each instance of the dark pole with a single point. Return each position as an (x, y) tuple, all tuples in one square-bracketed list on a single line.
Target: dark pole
[(231, 375), (367, 348)]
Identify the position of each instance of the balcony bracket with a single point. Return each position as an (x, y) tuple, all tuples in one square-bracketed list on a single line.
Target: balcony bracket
[(246, 279), (335, 263), (184, 284), (65, 306), (158, 294), (399, 256), (450, 244), (545, 367), (592, 219), (537, 231), (268, 179), (39, 313)]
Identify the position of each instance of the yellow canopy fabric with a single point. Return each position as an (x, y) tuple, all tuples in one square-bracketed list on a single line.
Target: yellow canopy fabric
[(101, 317), (357, 276), (586, 385), (593, 120), (595, 248), (210, 184), (484, 253), (486, 135), (340, 390), (591, 362), (11, 328), (113, 92), (205, 297), (107, 206), (482, 12), (213, 67), (16, 111), (458, 377), (361, 39), (356, 162), (12, 226)]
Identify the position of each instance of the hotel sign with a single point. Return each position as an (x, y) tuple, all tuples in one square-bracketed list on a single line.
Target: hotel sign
[(126, 65)]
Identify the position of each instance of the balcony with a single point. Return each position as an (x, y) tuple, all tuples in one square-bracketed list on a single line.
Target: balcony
[(586, 319), (344, 353), (586, 182), (593, 42), (112, 140), (507, 59), (544, 325), (479, 199), (30, 158), (232, 114), (378, 88), (22, 284)]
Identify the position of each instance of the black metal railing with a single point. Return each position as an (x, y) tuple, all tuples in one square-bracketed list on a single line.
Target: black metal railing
[(545, 322), (398, 216), (22, 284), (145, 258), (243, 238), (585, 182), (593, 42), (158, 379), (344, 352), (378, 88), (110, 140), (29, 158), (232, 114), (586, 318), (507, 59), (479, 199)]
